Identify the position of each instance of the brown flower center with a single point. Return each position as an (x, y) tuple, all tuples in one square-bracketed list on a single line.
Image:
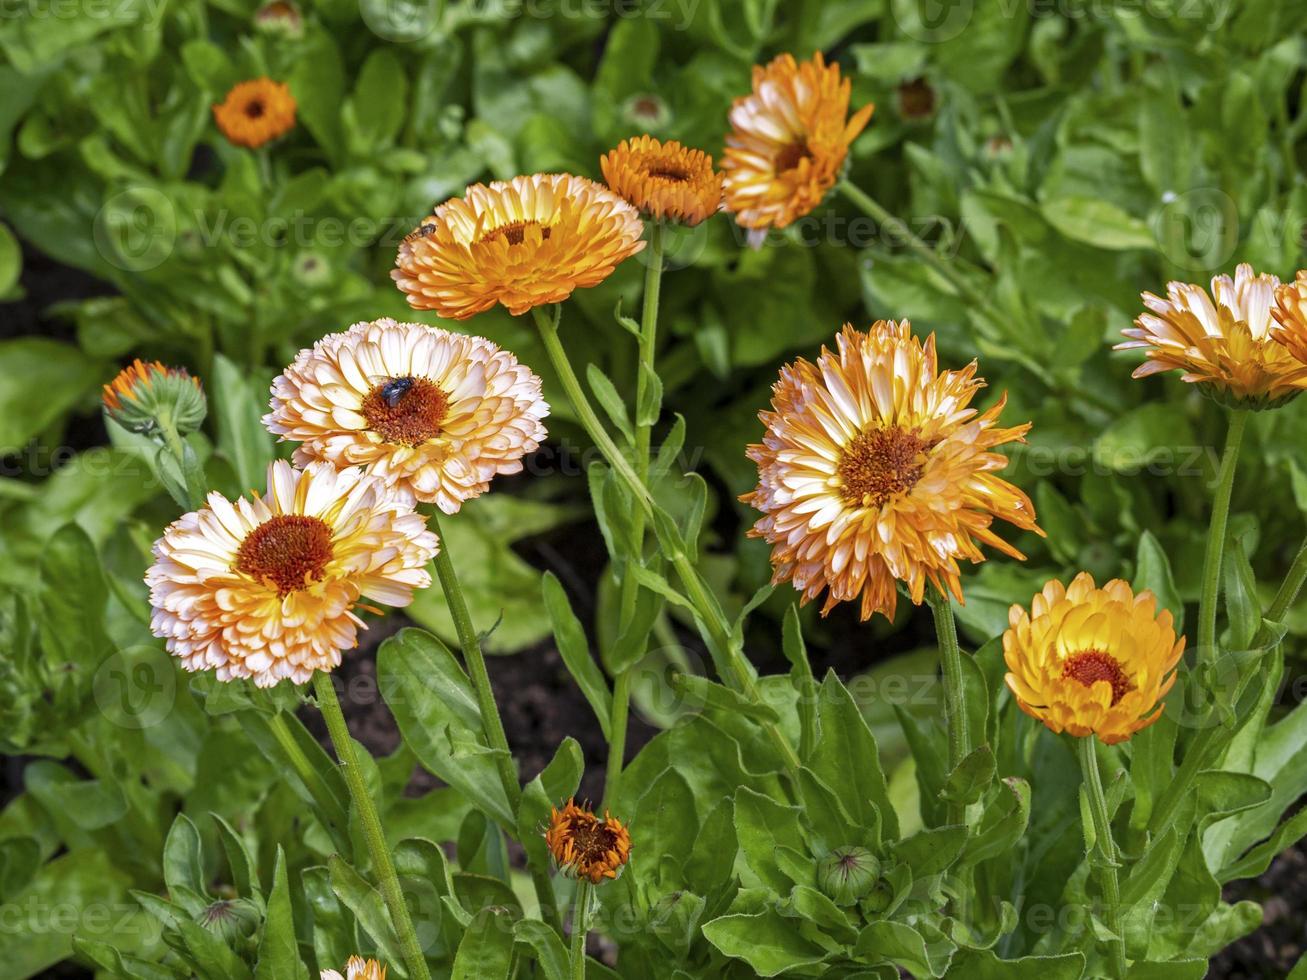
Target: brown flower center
[(669, 171), (254, 108), (288, 550), (406, 411), (1093, 666), (879, 464), (592, 839), (916, 99), (515, 232), (791, 155)]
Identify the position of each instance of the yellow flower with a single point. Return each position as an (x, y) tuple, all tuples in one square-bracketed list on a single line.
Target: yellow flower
[(1290, 312), (788, 141), (255, 112), (664, 180), (266, 587), (874, 469), (437, 413), (1091, 661), (523, 243), (357, 969), (584, 846), (1226, 342)]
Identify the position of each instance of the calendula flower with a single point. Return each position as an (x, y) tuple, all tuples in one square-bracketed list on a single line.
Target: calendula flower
[(1290, 313), (143, 393), (586, 847), (523, 243), (256, 112), (439, 414), (357, 969), (664, 180), (788, 141), (1091, 661), (874, 469), (1226, 343), (266, 587)]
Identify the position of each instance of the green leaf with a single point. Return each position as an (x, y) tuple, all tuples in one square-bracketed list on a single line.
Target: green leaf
[(368, 906), (649, 408), (278, 951), (606, 394), (242, 439), (486, 951), (554, 784), (40, 381), (901, 945), (569, 636), (375, 112), (1153, 572), (1097, 222), (667, 819), (796, 652), (11, 261), (762, 826), (239, 859), (973, 775), (710, 695), (183, 862), (1242, 605), (846, 759), (546, 946), (73, 599), (983, 964), (768, 942)]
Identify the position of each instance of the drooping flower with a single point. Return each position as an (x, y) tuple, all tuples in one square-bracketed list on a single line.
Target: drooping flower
[(1091, 661), (357, 969), (266, 587), (1226, 343), (874, 469), (142, 393), (788, 141), (437, 413), (1290, 313), (664, 180), (255, 112), (586, 847), (523, 243)]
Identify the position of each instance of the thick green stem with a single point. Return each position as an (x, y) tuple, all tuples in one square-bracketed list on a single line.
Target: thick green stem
[(382, 864), (1109, 861), (580, 928), (491, 723), (1216, 539), (617, 733), (955, 710)]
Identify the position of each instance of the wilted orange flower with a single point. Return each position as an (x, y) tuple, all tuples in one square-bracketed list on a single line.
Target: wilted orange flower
[(357, 969), (1091, 661), (438, 413), (788, 141), (266, 587), (584, 846), (664, 180), (523, 243), (873, 470), (1227, 343), (255, 112), (1290, 312)]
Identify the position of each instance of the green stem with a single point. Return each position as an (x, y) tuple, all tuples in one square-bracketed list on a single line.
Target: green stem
[(873, 209), (580, 928), (382, 864), (1107, 850), (491, 723), (617, 732), (328, 805), (192, 476), (955, 711), (1206, 652), (1290, 587)]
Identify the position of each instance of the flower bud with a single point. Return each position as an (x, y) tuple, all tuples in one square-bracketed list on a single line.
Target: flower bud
[(647, 111), (311, 270), (143, 394), (231, 918), (879, 898), (280, 18), (846, 874)]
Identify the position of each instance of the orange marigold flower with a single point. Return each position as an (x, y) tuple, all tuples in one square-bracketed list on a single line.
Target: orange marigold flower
[(357, 969), (255, 112), (266, 587), (523, 243), (788, 141), (874, 469), (142, 392), (1290, 312), (438, 413), (584, 846), (1227, 343), (664, 180), (1091, 661)]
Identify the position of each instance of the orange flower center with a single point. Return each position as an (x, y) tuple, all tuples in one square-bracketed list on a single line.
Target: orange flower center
[(879, 464), (791, 155), (515, 232), (406, 411), (288, 550), (1093, 666)]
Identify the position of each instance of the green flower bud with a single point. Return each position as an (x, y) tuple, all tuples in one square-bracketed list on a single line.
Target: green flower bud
[(142, 394), (231, 918), (280, 18), (879, 898), (311, 270), (847, 874), (647, 111)]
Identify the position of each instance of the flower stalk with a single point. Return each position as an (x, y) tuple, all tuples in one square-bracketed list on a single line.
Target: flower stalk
[(1216, 538), (1107, 860), (580, 928), (955, 711)]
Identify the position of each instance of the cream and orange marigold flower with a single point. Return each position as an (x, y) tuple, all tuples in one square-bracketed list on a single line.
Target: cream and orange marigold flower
[(266, 587), (437, 413), (1226, 343), (1290, 312), (586, 847), (874, 469), (255, 112), (523, 243), (788, 141), (664, 180), (1091, 661), (357, 969)]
